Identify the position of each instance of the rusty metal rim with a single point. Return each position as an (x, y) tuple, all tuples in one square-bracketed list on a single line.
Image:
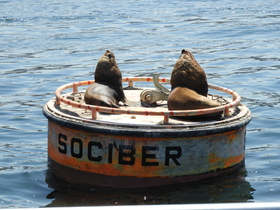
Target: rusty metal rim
[(165, 114), (52, 108), (149, 131)]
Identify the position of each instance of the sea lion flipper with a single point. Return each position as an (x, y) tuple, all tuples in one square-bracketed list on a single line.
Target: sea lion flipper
[(182, 98), (101, 100), (101, 95), (187, 99)]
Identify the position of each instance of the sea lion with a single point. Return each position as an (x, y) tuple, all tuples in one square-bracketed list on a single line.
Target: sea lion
[(107, 90), (188, 73), (184, 98), (189, 86)]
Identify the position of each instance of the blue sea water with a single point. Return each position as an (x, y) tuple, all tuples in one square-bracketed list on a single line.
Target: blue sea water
[(45, 44)]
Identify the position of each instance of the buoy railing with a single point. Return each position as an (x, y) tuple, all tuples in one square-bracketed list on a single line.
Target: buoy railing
[(147, 111)]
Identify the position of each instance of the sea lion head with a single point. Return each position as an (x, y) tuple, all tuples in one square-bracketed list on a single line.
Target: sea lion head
[(186, 56), (188, 73), (107, 70), (108, 56)]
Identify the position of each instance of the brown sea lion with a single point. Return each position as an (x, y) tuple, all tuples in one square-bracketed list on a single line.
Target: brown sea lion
[(184, 98), (188, 73), (107, 89), (189, 86)]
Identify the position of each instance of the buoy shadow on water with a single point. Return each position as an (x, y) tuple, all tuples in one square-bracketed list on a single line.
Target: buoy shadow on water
[(134, 147), (231, 187)]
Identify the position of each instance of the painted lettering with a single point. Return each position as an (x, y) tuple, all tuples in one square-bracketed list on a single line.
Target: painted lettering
[(146, 155), (62, 146), (173, 156), (126, 154), (90, 150), (110, 153), (76, 148)]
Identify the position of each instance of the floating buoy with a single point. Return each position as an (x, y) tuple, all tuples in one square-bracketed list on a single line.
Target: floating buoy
[(130, 147)]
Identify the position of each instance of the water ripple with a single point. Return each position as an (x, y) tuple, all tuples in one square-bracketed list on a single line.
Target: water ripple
[(45, 44)]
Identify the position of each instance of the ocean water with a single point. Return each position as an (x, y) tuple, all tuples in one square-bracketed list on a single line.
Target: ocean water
[(45, 44)]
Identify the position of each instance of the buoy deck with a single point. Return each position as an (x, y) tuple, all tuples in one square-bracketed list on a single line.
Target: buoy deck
[(67, 111)]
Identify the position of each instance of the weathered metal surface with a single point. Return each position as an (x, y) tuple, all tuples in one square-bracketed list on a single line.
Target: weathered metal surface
[(132, 151), (145, 157)]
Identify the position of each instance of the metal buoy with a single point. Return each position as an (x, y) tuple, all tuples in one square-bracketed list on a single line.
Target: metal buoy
[(138, 146)]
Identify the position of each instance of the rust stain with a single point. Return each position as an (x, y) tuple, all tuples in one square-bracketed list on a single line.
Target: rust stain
[(213, 159), (231, 161), (232, 135), (226, 162)]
